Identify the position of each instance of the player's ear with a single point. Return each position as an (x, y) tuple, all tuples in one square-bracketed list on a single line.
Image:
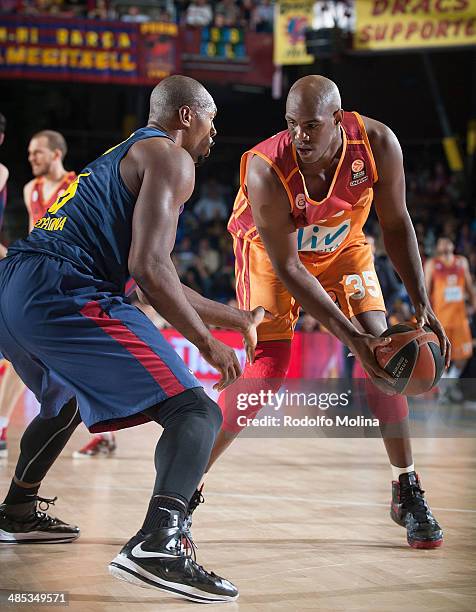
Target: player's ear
[(185, 115), (338, 116)]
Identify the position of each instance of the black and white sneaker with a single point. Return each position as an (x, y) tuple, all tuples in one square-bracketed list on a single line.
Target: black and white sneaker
[(36, 527), (159, 560), (196, 500)]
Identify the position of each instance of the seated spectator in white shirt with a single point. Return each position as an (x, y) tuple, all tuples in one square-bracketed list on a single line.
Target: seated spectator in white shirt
[(212, 204), (199, 14), (134, 15), (264, 16)]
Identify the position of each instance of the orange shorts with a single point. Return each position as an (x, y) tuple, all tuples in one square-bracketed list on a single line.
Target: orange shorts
[(348, 276), (461, 340)]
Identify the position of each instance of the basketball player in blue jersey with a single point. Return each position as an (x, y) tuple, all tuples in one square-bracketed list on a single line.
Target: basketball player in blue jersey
[(88, 355)]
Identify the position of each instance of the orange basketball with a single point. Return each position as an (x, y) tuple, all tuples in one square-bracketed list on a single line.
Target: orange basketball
[(413, 358)]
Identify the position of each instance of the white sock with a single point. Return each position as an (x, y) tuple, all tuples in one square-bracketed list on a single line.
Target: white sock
[(3, 422), (454, 372), (108, 435), (396, 471)]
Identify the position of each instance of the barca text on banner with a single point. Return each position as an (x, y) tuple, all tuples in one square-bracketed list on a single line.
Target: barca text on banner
[(292, 18), (400, 24)]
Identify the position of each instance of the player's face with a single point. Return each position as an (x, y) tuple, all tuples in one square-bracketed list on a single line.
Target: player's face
[(203, 134), (40, 156), (312, 130), (444, 247)]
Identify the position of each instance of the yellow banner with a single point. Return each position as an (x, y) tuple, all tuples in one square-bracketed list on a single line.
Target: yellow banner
[(292, 17), (400, 24)]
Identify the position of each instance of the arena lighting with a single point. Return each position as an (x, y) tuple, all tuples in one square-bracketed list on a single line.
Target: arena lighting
[(332, 23)]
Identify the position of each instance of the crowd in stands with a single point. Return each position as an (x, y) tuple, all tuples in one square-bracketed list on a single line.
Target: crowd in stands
[(255, 15)]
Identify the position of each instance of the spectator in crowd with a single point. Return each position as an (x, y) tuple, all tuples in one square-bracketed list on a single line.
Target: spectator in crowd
[(199, 14), (208, 256), (134, 15), (386, 275), (264, 16), (229, 13), (101, 10), (184, 253), (212, 204), (247, 17)]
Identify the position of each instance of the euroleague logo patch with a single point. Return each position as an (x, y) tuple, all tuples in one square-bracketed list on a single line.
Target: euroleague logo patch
[(300, 201), (358, 172)]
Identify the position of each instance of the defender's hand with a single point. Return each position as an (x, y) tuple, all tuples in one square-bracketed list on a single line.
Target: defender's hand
[(250, 334), (425, 316), (223, 358)]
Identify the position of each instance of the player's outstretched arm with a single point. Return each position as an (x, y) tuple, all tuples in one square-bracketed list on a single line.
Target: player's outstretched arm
[(397, 228), (271, 214), (221, 315), (154, 228)]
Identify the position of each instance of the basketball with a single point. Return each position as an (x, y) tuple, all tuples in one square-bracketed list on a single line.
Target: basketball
[(413, 358)]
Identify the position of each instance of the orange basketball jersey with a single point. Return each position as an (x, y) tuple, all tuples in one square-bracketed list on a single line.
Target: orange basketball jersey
[(323, 227), (448, 292), (38, 205)]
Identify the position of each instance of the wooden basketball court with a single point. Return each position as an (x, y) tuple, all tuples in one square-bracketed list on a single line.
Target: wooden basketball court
[(296, 524)]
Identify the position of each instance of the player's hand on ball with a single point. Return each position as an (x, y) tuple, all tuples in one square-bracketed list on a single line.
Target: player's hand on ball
[(224, 359), (425, 316), (250, 334), (363, 346)]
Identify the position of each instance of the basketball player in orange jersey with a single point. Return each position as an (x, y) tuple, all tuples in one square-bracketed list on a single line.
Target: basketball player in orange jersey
[(448, 282), (297, 229)]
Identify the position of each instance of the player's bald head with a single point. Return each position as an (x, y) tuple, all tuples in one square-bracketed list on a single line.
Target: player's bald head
[(177, 91), (314, 93)]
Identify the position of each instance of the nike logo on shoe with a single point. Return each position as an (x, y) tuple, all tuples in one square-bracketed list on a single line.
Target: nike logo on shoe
[(139, 553)]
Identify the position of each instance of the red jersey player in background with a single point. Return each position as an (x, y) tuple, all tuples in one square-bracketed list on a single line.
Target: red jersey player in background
[(297, 230), (448, 281), (46, 152)]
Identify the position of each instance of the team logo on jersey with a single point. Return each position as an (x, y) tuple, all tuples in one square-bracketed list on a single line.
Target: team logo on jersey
[(322, 238), (300, 201), (358, 172)]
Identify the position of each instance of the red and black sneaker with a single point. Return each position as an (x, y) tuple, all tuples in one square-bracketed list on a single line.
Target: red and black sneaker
[(101, 444), (409, 509)]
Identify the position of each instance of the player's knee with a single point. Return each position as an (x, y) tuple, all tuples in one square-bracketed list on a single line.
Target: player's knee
[(241, 402), (191, 405), (386, 408)]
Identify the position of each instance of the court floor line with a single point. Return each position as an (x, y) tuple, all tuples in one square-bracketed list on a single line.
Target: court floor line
[(273, 498)]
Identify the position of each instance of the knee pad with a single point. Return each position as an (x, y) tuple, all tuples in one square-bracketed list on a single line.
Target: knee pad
[(191, 403), (266, 373)]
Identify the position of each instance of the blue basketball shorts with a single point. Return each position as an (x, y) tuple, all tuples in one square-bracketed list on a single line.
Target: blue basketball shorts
[(68, 335)]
